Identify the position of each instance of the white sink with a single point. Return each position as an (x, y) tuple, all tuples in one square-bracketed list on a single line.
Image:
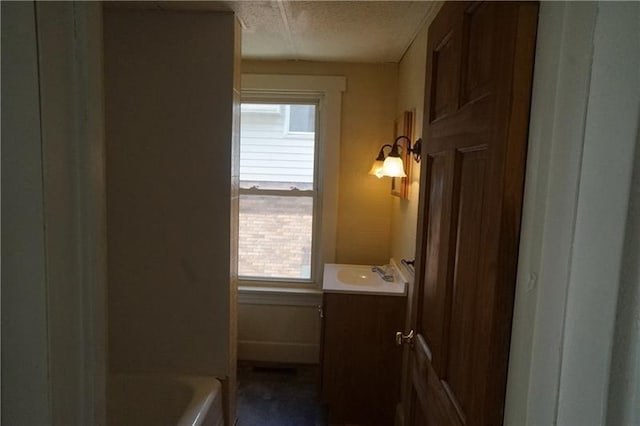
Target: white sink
[(357, 275), (342, 278)]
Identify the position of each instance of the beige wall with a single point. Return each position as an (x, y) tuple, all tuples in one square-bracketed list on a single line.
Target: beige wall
[(283, 332), (368, 111), (411, 81), (169, 88), (404, 213)]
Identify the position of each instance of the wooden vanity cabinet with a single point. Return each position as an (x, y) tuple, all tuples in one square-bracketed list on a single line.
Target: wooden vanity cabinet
[(360, 361)]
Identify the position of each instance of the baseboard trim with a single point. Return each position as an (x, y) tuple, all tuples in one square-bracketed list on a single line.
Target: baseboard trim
[(299, 353)]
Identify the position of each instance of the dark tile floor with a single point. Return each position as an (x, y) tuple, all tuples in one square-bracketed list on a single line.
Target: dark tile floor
[(279, 395)]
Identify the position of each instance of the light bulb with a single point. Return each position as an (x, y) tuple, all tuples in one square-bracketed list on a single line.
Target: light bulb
[(393, 167)]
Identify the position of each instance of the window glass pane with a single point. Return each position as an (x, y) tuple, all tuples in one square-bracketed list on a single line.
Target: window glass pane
[(275, 236), (302, 118), (270, 156)]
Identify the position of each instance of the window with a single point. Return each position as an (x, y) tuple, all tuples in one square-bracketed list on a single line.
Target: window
[(303, 203), (278, 190)]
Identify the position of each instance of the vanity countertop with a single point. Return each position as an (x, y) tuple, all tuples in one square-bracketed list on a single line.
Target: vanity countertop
[(360, 279)]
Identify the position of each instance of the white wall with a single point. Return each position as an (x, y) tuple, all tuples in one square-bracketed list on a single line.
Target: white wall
[(583, 134), (53, 214), (70, 54), (25, 391), (612, 120), (560, 90), (624, 385), (170, 84)]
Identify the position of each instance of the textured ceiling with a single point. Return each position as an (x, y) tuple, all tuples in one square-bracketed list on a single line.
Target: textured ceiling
[(349, 31)]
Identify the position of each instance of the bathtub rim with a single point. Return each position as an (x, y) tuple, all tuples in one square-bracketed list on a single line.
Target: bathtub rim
[(206, 389)]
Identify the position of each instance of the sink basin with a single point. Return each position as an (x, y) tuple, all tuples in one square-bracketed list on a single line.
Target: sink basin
[(343, 278), (357, 275)]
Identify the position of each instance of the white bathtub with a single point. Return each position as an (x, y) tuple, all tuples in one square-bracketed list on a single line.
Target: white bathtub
[(140, 400)]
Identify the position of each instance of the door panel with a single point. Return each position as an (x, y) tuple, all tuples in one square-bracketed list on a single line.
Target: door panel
[(444, 92), (441, 407), (460, 349), (479, 68), (477, 43), (434, 295)]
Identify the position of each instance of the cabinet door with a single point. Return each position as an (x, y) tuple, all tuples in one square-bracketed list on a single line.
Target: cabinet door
[(361, 364)]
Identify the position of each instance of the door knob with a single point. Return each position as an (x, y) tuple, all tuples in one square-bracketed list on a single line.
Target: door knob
[(404, 338)]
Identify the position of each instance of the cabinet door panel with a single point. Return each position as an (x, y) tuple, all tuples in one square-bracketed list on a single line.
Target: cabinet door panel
[(360, 361)]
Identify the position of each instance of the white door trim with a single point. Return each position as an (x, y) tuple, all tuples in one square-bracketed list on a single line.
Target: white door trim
[(582, 138), (73, 147)]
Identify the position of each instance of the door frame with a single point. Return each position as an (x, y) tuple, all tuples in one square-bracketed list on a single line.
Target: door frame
[(560, 311), (73, 145), (63, 362), (560, 90)]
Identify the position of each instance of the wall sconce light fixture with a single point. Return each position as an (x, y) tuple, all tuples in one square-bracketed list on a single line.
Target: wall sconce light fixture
[(392, 166), (378, 164)]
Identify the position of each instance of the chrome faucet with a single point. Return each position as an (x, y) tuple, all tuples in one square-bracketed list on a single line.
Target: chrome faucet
[(383, 272)]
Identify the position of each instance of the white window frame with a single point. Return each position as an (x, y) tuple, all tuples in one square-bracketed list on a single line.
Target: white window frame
[(263, 108), (284, 100), (327, 91)]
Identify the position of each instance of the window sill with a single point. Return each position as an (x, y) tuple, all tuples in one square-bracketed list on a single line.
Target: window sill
[(274, 295)]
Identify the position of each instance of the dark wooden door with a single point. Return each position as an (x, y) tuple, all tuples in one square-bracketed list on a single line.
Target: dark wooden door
[(479, 70)]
